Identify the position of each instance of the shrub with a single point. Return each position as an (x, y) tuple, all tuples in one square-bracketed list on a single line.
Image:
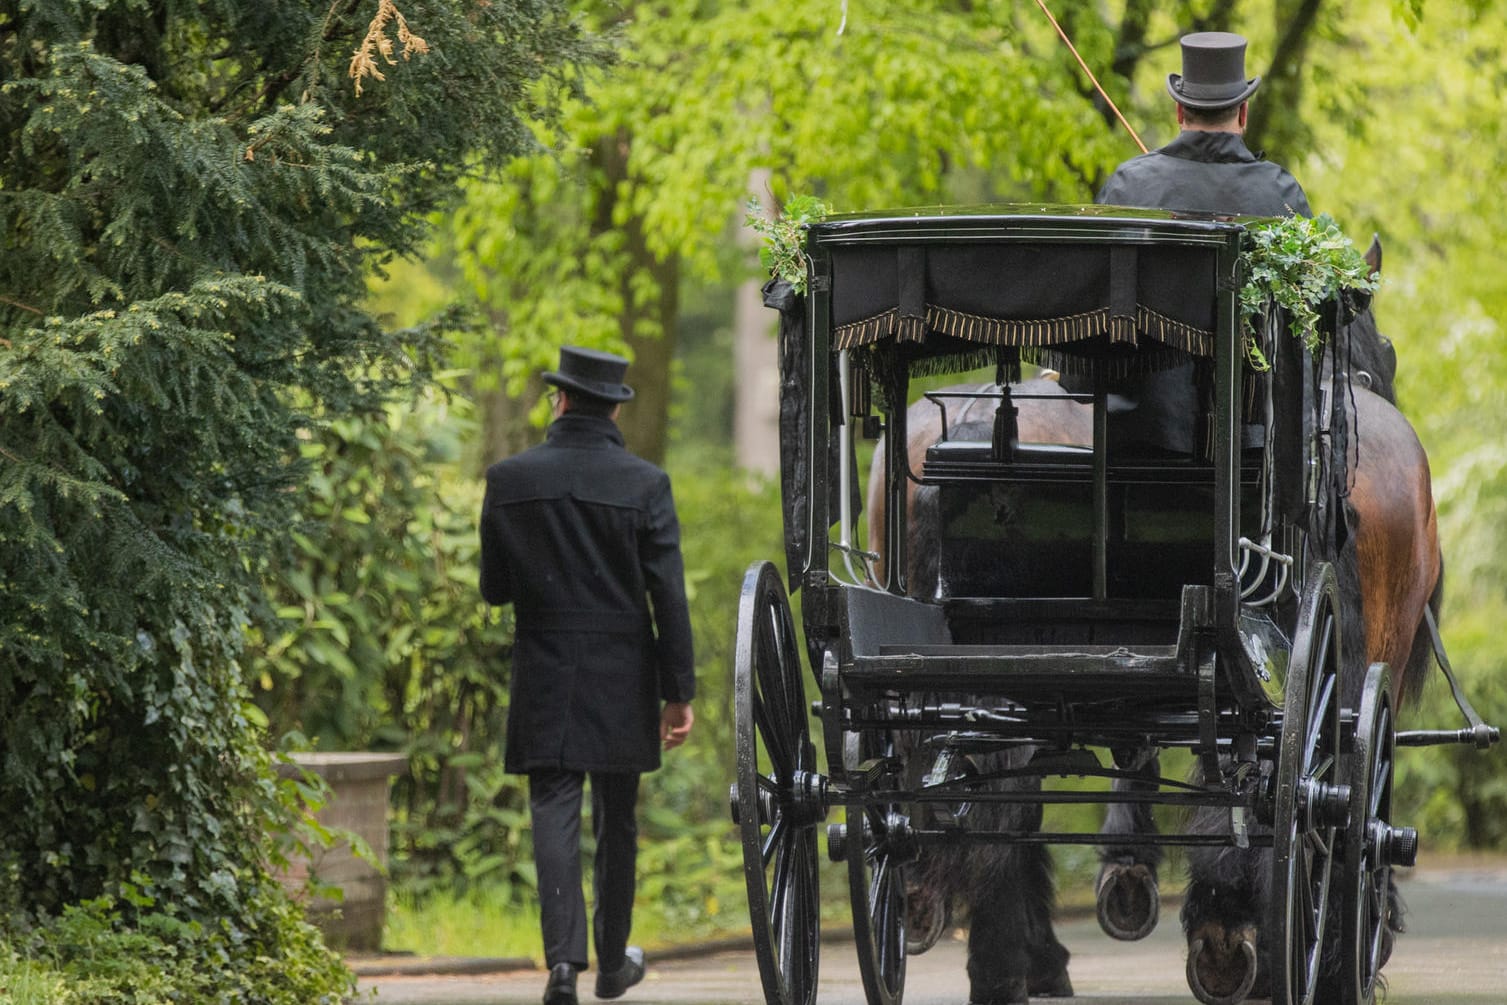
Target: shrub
[(89, 954)]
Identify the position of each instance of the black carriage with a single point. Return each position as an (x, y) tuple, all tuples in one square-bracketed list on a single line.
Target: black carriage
[(1086, 596)]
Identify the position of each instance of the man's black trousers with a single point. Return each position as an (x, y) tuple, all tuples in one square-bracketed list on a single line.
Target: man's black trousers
[(555, 807)]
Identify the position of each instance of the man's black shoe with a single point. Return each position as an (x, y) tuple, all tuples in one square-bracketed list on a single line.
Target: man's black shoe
[(561, 989), (624, 977)]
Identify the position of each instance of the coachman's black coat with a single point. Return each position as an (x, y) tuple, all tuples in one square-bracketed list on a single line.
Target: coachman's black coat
[(581, 537), (1206, 172)]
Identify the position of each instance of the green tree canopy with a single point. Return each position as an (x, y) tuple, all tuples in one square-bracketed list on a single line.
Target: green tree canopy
[(191, 196), (875, 105)]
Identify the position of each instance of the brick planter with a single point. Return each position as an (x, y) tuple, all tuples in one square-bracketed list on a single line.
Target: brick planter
[(359, 784)]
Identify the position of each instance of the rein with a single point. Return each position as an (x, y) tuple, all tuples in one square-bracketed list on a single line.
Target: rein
[(1092, 79)]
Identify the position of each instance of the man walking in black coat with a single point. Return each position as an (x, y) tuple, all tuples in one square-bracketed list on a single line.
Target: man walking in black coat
[(1206, 169), (581, 537)]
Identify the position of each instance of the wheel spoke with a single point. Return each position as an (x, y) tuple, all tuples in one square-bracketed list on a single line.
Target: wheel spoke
[(775, 836), (1317, 715), (1319, 846), (779, 889), (777, 653), (805, 905), (876, 884), (767, 700), (884, 921), (1326, 767), (1304, 894), (776, 747)]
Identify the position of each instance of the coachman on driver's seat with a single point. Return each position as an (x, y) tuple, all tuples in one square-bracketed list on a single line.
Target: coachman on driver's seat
[(1206, 169)]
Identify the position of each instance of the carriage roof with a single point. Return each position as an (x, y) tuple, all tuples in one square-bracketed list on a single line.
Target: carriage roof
[(1074, 287)]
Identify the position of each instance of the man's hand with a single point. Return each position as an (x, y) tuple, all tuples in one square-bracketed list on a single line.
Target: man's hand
[(675, 723)]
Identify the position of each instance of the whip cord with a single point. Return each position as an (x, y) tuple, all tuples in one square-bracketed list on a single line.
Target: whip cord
[(1094, 80)]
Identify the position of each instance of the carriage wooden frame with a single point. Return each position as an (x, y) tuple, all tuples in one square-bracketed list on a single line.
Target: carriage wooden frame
[(1253, 693)]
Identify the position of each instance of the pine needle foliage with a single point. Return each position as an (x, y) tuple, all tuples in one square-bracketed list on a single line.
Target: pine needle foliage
[(191, 196)]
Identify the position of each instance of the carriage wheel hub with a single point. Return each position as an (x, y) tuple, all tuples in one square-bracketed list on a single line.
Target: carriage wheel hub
[(1392, 845), (808, 798), (1322, 804)]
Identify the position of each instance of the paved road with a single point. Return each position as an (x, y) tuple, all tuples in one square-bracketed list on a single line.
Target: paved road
[(1455, 953)]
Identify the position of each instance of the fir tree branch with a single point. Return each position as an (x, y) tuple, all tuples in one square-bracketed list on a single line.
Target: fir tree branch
[(16, 303), (377, 45)]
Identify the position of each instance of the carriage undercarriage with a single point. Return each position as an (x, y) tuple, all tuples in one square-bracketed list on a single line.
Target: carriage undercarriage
[(943, 714)]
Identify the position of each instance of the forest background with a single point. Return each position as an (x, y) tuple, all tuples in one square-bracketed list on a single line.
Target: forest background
[(630, 240), (620, 225)]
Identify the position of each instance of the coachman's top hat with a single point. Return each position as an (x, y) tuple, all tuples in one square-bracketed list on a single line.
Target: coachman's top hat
[(1213, 74), (592, 373)]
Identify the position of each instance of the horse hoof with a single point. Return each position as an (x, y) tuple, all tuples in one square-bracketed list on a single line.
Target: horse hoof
[(1128, 902), (1011, 991), (1052, 986), (925, 919), (1222, 966)]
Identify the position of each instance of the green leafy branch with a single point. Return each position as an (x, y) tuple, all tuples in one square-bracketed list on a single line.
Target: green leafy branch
[(783, 252), (1297, 263)]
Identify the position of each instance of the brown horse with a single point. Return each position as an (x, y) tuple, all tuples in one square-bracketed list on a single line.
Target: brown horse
[(1396, 538), (1397, 576), (1046, 414)]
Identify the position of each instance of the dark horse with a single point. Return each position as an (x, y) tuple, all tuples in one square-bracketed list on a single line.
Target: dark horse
[(1390, 572)]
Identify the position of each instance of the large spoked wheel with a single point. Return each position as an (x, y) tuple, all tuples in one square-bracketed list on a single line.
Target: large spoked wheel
[(1311, 801), (778, 798), (1372, 844), (878, 845)]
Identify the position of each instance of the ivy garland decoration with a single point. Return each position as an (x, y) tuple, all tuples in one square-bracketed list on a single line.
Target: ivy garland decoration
[(1297, 263), (783, 253)]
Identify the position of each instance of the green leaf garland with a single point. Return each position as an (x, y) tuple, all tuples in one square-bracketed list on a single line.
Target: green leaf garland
[(1296, 263), (783, 252)]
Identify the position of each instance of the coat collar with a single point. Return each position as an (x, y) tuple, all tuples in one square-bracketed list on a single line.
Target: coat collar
[(574, 430), (1210, 147)]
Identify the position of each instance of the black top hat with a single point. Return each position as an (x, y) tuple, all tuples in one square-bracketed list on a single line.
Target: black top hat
[(592, 373), (1213, 74)]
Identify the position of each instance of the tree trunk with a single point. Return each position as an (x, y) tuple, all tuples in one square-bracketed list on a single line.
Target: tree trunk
[(1276, 124), (505, 427), (756, 408), (648, 321), (645, 421)]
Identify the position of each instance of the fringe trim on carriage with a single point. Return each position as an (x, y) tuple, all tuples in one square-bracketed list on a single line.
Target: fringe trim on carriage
[(1121, 329)]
